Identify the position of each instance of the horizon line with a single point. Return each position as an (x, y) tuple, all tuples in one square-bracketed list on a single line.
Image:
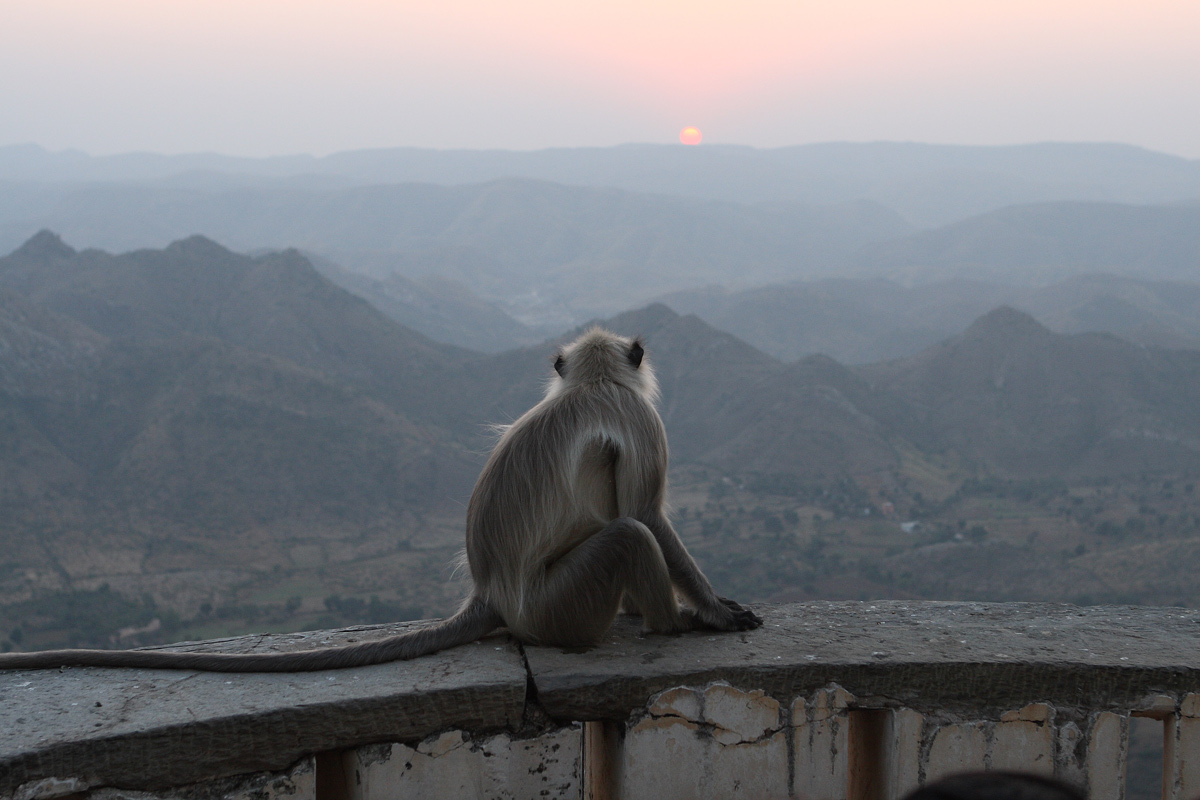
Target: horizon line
[(75, 151)]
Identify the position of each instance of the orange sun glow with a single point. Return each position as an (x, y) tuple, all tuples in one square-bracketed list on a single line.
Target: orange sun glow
[(690, 135)]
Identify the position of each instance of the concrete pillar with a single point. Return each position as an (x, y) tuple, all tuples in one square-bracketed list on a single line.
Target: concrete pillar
[(902, 753), (714, 742), (452, 765), (821, 742), (1024, 740), (1107, 755), (1181, 751), (960, 747)]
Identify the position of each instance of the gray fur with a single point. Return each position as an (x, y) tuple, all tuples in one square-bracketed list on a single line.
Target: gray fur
[(566, 522)]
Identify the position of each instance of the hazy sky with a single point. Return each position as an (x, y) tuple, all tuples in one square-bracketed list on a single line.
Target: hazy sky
[(261, 77)]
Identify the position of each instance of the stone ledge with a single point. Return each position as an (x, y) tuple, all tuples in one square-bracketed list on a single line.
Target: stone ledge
[(145, 730), (149, 729), (923, 655)]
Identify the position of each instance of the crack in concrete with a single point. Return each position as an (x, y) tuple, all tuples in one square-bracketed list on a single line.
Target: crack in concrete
[(534, 718)]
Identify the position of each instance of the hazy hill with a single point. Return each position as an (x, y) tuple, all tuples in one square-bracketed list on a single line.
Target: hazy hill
[(1015, 399), (276, 304), (195, 457), (730, 406), (1008, 397), (1044, 242), (192, 409), (550, 255), (548, 252), (928, 184), (215, 429), (442, 309), (38, 345), (724, 403), (1162, 313), (1070, 401), (859, 321)]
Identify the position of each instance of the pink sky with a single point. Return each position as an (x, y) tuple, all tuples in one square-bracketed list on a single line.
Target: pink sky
[(283, 76)]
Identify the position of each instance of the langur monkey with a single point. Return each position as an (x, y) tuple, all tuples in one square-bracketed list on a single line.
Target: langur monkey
[(566, 524)]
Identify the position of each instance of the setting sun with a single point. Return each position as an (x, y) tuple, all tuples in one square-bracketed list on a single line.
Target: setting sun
[(690, 135)]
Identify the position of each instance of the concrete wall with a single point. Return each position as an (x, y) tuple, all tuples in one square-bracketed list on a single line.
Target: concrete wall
[(828, 700)]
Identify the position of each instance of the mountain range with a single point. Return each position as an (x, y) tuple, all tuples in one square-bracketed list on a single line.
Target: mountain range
[(551, 254), (717, 389), (537, 258), (526, 245), (859, 321), (930, 185), (182, 420)]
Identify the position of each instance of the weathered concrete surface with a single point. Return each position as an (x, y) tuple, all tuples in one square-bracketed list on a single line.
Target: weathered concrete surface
[(902, 752), (715, 741), (1181, 748), (1024, 683), (925, 656), (957, 748), (1108, 749), (456, 765), (1024, 740), (821, 745), (148, 729)]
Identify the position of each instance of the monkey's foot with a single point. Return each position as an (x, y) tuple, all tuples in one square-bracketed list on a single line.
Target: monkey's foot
[(729, 616), (742, 613)]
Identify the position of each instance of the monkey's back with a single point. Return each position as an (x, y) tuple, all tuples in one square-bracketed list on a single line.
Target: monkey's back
[(550, 483)]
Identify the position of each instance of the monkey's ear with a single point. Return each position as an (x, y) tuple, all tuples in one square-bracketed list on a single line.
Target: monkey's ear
[(635, 353), (560, 366)]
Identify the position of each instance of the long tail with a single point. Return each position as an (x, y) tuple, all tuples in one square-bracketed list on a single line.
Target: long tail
[(473, 621)]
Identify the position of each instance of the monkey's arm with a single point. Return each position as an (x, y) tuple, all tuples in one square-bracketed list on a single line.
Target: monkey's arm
[(717, 611), (640, 476)]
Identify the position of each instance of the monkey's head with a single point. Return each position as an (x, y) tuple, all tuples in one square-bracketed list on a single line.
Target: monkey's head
[(600, 356)]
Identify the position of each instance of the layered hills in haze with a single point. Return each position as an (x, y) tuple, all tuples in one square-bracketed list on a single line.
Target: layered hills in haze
[(195, 409), (549, 253), (1021, 401), (861, 321), (1042, 242), (527, 244), (183, 422), (725, 402), (930, 185)]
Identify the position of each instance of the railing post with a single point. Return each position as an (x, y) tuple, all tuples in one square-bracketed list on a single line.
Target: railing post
[(1181, 751), (601, 755), (821, 737), (902, 755)]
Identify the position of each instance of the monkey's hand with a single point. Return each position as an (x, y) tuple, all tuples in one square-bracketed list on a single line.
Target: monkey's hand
[(728, 616), (746, 619)]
